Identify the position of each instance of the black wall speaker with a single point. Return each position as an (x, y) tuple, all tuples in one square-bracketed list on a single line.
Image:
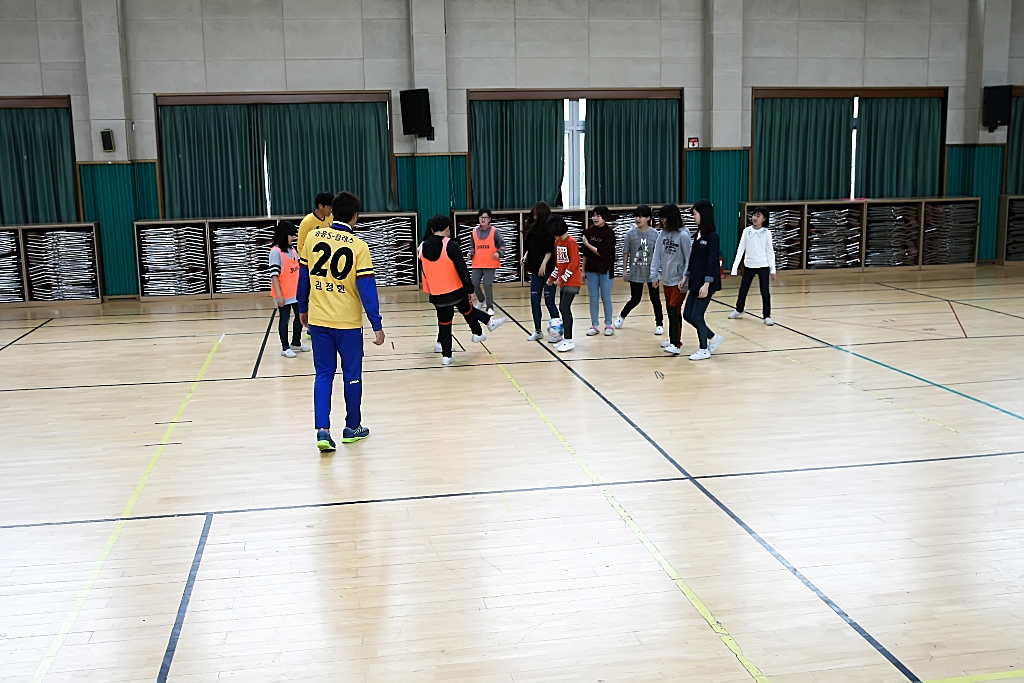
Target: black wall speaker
[(107, 138), (995, 106), (416, 113)]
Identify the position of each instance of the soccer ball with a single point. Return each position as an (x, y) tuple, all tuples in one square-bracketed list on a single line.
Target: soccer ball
[(555, 327)]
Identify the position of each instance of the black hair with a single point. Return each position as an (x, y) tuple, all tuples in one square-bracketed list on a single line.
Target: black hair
[(604, 213), (438, 223), (763, 210), (671, 219), (556, 225), (538, 216), (323, 199), (707, 216), (344, 206), (281, 233), (481, 212), (643, 211)]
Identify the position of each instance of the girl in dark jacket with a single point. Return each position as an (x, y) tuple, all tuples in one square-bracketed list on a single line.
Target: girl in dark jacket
[(704, 278), (539, 260)]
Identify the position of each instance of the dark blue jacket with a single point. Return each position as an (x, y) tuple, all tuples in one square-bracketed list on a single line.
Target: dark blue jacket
[(704, 265)]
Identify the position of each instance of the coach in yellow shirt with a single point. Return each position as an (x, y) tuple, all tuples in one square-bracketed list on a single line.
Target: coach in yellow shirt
[(321, 217), (336, 284)]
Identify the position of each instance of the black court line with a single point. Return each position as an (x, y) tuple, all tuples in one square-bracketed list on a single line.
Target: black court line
[(263, 346), (179, 620), (25, 335), (496, 492), (860, 630), (958, 301)]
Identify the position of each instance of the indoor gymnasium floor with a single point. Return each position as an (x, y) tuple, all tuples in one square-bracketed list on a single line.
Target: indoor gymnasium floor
[(837, 498)]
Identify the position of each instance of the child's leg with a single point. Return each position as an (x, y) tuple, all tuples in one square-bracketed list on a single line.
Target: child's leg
[(741, 298), (473, 316), (605, 285), (764, 275), (700, 307), (488, 286), (689, 317), (475, 277), (565, 309), (673, 304), (444, 329), (655, 295), (350, 346), (549, 299), (296, 325), (593, 293), (325, 360), (636, 292), (282, 325), (536, 287)]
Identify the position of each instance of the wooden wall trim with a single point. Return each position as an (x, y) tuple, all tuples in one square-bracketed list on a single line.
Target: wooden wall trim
[(273, 97), (572, 94), (790, 93), (34, 102)]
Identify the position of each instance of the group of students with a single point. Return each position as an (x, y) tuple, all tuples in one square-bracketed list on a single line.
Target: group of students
[(331, 296)]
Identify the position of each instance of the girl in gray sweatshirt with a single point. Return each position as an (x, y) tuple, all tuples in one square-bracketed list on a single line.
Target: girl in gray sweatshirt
[(669, 263)]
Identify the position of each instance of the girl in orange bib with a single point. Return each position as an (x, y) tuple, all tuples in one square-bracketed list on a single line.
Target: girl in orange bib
[(284, 281), (485, 250)]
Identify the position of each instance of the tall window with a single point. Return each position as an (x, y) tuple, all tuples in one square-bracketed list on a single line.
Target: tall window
[(574, 182), (853, 151)]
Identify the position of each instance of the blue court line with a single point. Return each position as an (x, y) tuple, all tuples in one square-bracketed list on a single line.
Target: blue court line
[(179, 620)]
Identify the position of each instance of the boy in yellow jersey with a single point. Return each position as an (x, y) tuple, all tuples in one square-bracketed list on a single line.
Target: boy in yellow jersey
[(321, 217), (336, 284)]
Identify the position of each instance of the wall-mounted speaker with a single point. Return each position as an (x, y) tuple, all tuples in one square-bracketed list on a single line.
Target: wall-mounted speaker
[(107, 138), (995, 106), (416, 113)]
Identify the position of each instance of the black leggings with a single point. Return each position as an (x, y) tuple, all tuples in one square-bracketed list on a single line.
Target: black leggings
[(445, 314), (636, 292), (283, 313), (565, 309), (763, 276), (693, 313)]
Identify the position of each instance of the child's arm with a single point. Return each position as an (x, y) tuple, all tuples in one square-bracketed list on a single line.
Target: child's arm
[(574, 261), (656, 260), (739, 252), (499, 243), (771, 254), (472, 244)]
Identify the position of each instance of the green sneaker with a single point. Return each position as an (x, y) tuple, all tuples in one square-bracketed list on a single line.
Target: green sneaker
[(353, 435)]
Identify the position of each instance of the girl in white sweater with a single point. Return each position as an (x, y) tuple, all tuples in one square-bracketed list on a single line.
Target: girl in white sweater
[(758, 256)]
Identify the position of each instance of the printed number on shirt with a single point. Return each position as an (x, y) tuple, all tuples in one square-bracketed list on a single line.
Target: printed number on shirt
[(339, 273), (562, 254)]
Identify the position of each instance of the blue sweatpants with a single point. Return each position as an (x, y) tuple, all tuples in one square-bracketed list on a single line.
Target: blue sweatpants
[(328, 344)]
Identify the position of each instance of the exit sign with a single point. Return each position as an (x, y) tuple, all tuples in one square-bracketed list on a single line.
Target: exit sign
[(692, 142)]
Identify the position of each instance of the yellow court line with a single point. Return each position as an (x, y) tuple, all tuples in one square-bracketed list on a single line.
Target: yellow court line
[(1001, 676), (97, 567), (715, 625)]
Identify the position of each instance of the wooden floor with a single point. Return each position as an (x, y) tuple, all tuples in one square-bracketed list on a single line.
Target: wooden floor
[(836, 498)]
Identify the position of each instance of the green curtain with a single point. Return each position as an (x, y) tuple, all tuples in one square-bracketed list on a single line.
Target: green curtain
[(37, 167), (432, 184), (722, 177), (517, 152), (977, 171), (631, 151), (327, 147), (1015, 149), (802, 148), (212, 161), (899, 147), (115, 196)]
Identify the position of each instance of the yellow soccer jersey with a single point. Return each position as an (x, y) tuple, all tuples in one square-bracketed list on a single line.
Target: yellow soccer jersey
[(311, 222), (335, 258)]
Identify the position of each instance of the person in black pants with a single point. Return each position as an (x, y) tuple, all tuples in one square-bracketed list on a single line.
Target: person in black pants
[(703, 278), (539, 260)]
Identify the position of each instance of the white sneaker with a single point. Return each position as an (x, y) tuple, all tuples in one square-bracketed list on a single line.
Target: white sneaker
[(608, 330), (490, 311), (769, 322), (447, 360), (665, 344), (477, 338), (593, 331), (715, 342), (659, 330), (555, 338), (478, 306), (437, 347), (288, 353), (735, 314), (672, 348), (495, 323), (566, 345), (302, 347), (702, 354), (535, 336), (618, 322)]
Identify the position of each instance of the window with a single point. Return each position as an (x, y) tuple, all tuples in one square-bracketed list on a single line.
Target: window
[(853, 151), (574, 182)]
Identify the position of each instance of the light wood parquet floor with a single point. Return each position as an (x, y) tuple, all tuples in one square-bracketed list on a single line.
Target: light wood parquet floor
[(836, 498)]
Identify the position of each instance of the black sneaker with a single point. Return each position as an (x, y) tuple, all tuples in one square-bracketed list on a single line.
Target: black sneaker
[(324, 441)]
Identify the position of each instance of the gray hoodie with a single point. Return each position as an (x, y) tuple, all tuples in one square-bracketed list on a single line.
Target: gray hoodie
[(671, 257)]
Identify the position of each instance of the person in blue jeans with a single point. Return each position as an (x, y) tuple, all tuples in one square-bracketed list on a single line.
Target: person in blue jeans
[(336, 284), (598, 253), (538, 260)]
